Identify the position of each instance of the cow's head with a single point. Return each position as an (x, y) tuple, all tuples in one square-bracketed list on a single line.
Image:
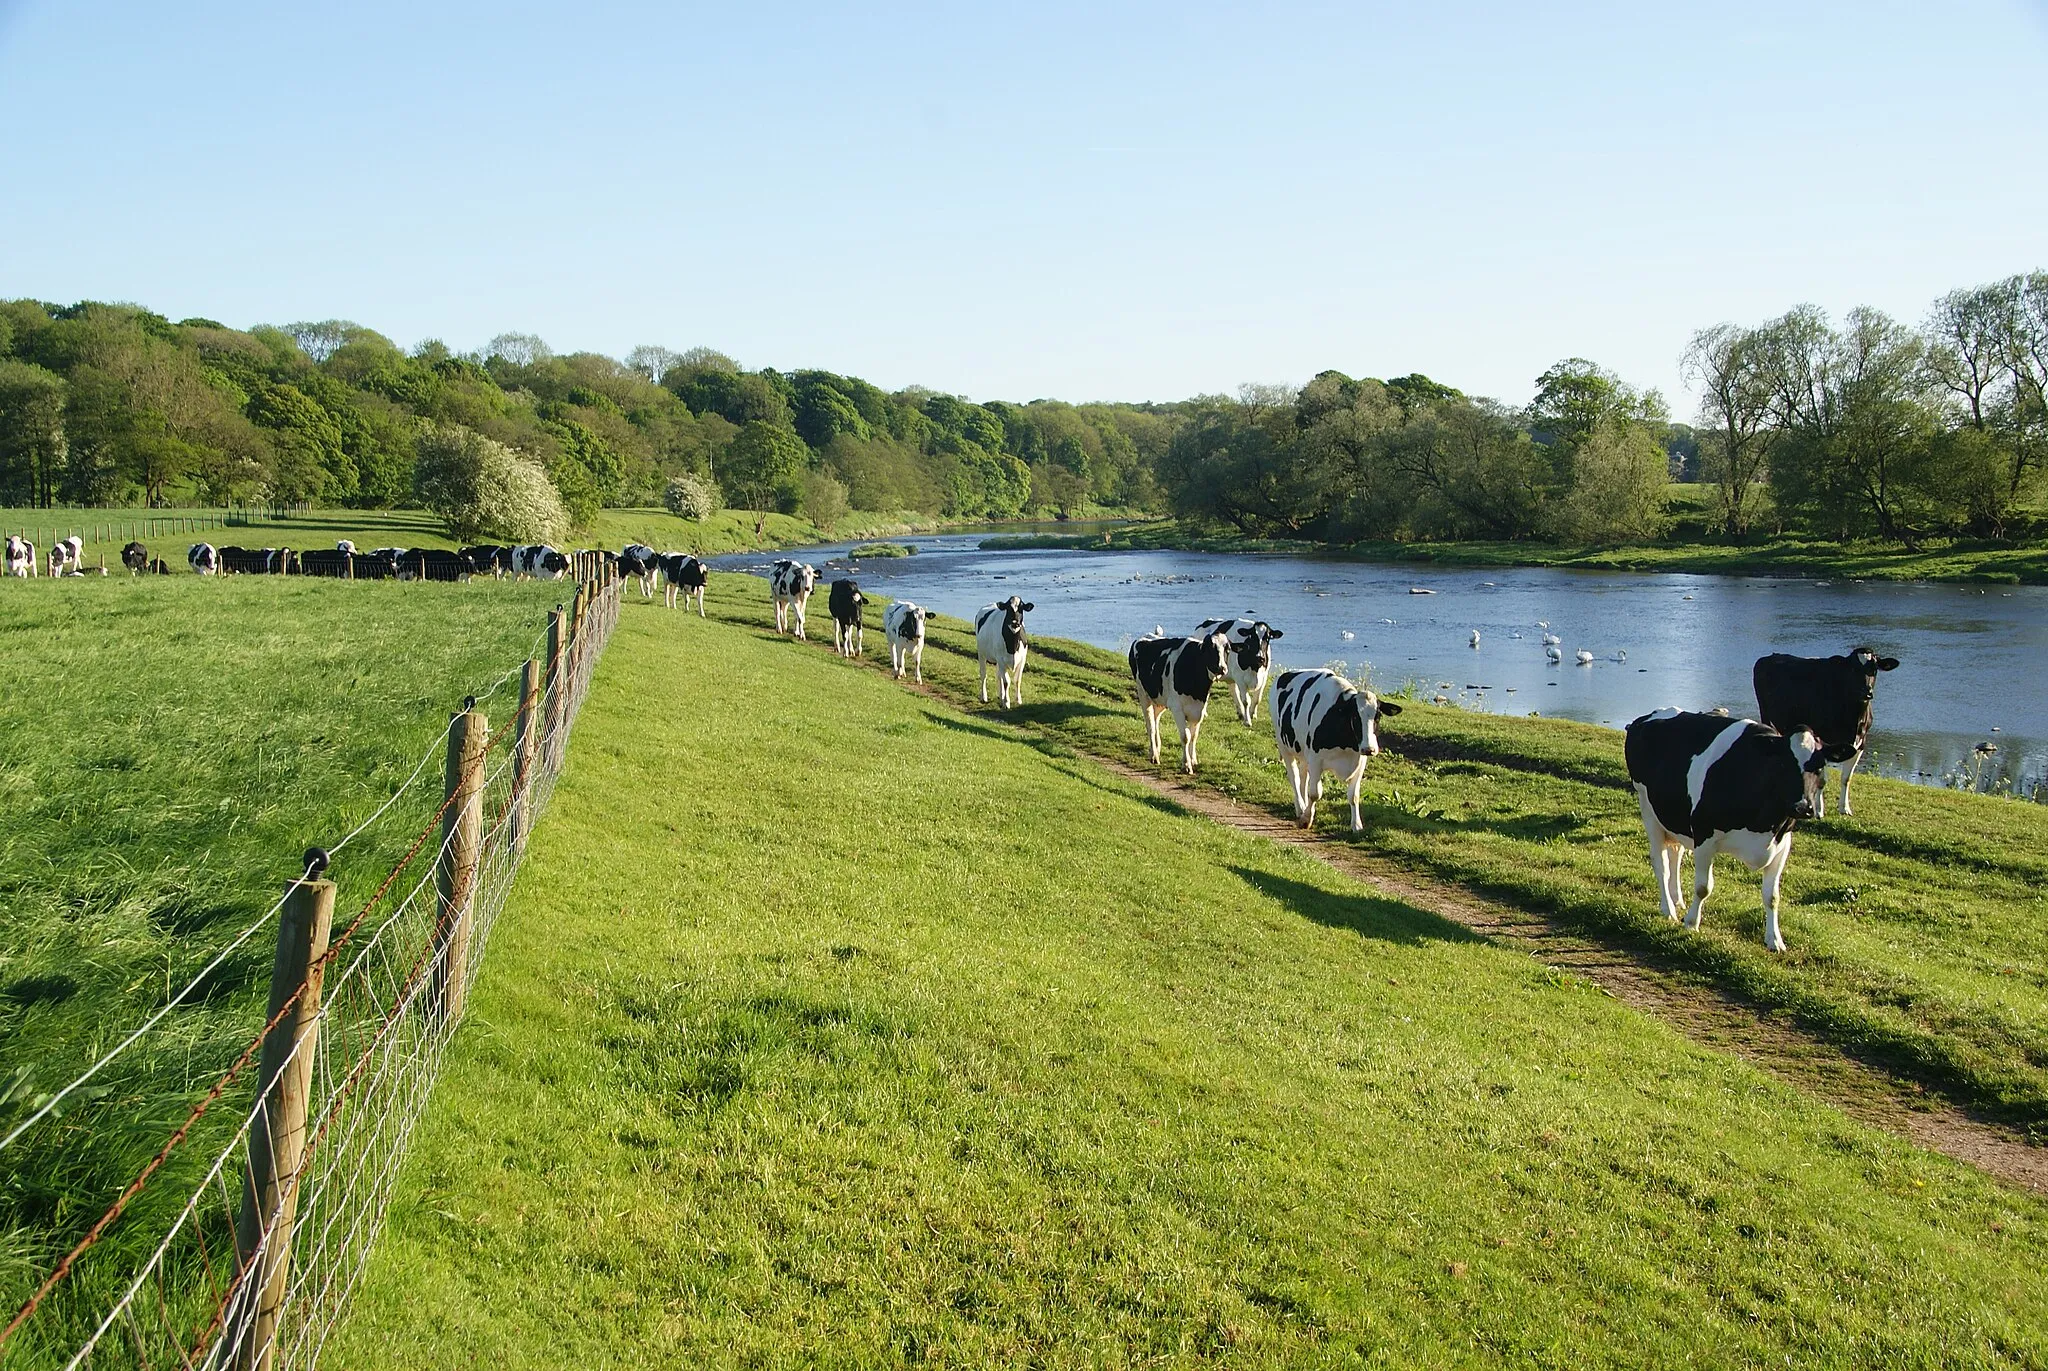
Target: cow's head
[(1371, 709), (1800, 793), (1014, 610), (1215, 653), (1868, 663)]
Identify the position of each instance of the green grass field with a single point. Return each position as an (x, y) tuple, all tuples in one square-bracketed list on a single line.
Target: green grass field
[(169, 747), (1959, 560), (833, 1025)]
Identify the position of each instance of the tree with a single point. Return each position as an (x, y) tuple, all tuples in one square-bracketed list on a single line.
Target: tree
[(1727, 364), (824, 499), (32, 442), (1617, 495), (481, 488), (519, 349), (652, 361), (322, 340), (687, 497), (760, 467)]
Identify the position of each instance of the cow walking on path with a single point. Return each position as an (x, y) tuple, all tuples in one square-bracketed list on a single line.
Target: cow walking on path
[(1001, 642), (1173, 676), (1323, 723)]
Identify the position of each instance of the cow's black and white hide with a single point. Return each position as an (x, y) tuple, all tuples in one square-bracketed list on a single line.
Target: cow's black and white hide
[(903, 625), (67, 556), (204, 558), (21, 556), (539, 561), (257, 561), (791, 583), (322, 561), (849, 627), (1173, 676), (640, 562), (136, 558), (488, 559), (433, 564), (1001, 642), (1829, 696), (1711, 784), (1251, 659), (683, 575), (1323, 723)]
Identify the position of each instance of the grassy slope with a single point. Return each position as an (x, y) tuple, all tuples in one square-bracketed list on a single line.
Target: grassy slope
[(831, 1024), (729, 530), (168, 749), (1960, 561), (1917, 927)]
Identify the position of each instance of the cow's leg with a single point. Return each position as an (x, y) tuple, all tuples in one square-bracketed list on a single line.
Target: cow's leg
[(778, 616), (1663, 856), (984, 680), (1774, 872), (1357, 782), (1191, 738), (1018, 689), (1151, 731), (1702, 879), (1848, 770), (860, 639)]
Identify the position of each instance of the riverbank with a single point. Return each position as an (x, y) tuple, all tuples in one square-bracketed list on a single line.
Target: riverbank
[(1974, 561), (916, 1062)]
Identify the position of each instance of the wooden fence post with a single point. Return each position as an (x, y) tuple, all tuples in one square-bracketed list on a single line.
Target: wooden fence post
[(551, 712), (277, 1138), (525, 735), (462, 832)]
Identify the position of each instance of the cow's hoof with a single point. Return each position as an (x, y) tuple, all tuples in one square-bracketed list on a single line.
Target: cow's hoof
[(1778, 946)]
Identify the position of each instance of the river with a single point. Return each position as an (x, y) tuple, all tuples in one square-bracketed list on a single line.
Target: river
[(1973, 660)]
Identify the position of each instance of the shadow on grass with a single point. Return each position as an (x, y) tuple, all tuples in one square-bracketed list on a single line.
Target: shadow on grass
[(1369, 916), (1050, 747)]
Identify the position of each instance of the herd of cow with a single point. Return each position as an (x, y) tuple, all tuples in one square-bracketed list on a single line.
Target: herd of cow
[(1705, 782)]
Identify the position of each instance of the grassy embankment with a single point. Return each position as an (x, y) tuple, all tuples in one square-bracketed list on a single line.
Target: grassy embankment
[(1917, 927), (1999, 563), (729, 530), (832, 1024), (168, 749)]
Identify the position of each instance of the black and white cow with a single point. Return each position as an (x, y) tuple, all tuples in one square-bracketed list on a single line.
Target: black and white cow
[(640, 561), (791, 583), (1830, 696), (67, 556), (1173, 676), (1251, 658), (489, 559), (21, 556), (204, 558), (683, 575), (1323, 723), (1714, 784), (904, 627), (136, 558), (324, 562), (433, 564), (539, 561), (849, 627), (1001, 642)]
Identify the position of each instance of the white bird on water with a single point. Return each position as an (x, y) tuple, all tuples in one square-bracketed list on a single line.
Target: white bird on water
[(1552, 640), (1475, 637), (1621, 654), (1553, 652), (1347, 635), (1585, 657)]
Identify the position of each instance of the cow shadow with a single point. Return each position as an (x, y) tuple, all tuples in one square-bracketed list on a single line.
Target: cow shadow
[(1370, 916), (1045, 746)]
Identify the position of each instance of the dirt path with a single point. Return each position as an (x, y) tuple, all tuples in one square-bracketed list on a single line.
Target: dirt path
[(1699, 1011)]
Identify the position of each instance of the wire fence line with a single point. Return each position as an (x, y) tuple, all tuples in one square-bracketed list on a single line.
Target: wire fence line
[(256, 1252)]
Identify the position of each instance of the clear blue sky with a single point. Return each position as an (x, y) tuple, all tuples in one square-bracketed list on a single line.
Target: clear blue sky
[(1086, 201)]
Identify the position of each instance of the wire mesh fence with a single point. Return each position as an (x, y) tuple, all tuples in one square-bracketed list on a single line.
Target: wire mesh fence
[(244, 1233)]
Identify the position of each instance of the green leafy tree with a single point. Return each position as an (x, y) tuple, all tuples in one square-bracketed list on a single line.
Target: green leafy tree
[(689, 497), (824, 499), (480, 488), (762, 467), (32, 439)]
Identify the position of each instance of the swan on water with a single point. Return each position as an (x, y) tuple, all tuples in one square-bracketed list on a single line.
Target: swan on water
[(1585, 657)]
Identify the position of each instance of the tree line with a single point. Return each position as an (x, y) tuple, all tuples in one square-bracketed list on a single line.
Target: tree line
[(1869, 428)]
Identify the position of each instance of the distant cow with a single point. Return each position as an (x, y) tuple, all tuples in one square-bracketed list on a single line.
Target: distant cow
[(685, 576), (433, 564), (539, 561), (791, 583), (378, 564), (849, 629), (266, 561), (204, 558), (641, 561), (136, 558), (1714, 784), (1323, 723), (904, 627), (1251, 657), (488, 560), (1829, 695), (323, 562), (1173, 676), (21, 556), (67, 556), (1000, 641)]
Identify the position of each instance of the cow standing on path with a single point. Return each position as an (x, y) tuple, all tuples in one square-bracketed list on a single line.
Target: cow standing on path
[(1000, 641), (849, 631), (641, 562), (791, 583), (1323, 723), (1715, 784), (1831, 696), (1173, 676), (1251, 658), (904, 627)]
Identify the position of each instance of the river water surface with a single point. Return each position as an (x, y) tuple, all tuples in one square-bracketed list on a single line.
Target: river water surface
[(1973, 673)]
